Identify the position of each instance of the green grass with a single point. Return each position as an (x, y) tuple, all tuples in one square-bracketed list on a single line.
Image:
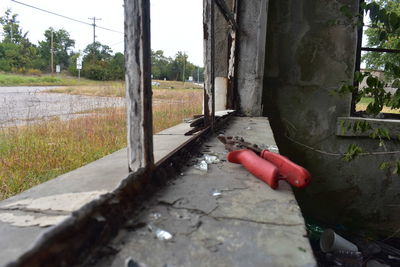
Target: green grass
[(45, 80), (35, 153)]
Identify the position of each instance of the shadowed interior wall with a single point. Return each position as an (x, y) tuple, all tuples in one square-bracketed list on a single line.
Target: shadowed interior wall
[(307, 57)]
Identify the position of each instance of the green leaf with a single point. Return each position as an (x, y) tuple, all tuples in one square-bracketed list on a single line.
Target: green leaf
[(352, 152), (383, 36), (373, 9), (394, 20), (396, 169), (345, 9), (372, 81), (384, 165), (381, 133), (396, 83), (343, 127), (358, 77)]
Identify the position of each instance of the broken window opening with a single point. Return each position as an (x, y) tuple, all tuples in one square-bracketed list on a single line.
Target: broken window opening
[(363, 50)]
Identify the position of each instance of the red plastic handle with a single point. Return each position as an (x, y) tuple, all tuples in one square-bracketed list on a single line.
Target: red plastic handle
[(259, 167), (291, 172)]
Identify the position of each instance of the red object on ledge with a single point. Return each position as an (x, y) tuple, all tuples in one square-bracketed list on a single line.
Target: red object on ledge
[(259, 167), (268, 166), (289, 171), (271, 167)]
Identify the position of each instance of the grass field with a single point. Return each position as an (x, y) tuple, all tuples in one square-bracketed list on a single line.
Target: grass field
[(118, 88), (46, 80), (362, 105), (32, 154)]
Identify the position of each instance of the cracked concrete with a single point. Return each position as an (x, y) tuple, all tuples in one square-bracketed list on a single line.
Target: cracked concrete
[(222, 217)]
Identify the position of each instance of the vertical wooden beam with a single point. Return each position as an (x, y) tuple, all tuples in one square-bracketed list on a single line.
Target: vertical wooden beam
[(209, 77), (138, 83), (232, 99)]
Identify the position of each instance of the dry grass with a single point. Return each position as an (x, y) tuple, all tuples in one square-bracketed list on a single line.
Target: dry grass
[(178, 106), (32, 154), (117, 89)]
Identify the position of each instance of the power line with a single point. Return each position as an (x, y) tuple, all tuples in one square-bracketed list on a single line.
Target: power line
[(65, 17)]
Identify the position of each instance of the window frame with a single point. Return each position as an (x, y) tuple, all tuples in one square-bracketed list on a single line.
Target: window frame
[(360, 49)]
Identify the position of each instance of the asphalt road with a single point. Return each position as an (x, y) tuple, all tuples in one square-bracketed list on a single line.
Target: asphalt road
[(22, 105)]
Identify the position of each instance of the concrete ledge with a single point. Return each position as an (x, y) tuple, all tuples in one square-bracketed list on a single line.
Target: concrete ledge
[(220, 217), (27, 216), (248, 223), (351, 126)]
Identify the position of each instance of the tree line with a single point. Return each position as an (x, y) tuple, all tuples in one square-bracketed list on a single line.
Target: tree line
[(19, 55)]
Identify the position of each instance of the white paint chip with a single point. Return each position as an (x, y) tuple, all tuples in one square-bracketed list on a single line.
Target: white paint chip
[(29, 220), (63, 202)]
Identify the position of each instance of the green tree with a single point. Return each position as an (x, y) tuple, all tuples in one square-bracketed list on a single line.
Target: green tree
[(100, 64), (383, 32), (179, 66), (62, 47), (172, 68), (160, 64), (97, 52), (11, 29), (117, 66), (17, 52)]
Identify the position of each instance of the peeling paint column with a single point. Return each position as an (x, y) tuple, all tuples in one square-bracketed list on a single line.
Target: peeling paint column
[(252, 20), (209, 60), (138, 83)]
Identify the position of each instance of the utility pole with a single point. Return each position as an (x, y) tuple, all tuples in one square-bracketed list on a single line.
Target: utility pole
[(11, 30), (52, 53), (94, 37), (184, 69)]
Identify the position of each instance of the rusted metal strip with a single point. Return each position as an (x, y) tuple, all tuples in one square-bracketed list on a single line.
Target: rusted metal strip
[(223, 8), (138, 83)]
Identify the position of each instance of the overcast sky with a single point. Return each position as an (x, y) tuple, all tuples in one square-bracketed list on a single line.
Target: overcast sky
[(176, 25)]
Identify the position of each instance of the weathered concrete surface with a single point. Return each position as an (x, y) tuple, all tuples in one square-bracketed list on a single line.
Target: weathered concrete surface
[(344, 126), (21, 105), (251, 56), (308, 57), (223, 217), (24, 217)]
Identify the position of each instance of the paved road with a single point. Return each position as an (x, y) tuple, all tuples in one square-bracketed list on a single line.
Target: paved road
[(20, 105)]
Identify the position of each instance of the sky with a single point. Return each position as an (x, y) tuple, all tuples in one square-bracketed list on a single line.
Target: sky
[(176, 25)]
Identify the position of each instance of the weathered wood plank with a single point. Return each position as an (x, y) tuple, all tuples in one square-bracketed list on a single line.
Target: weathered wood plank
[(232, 101), (209, 77), (138, 83)]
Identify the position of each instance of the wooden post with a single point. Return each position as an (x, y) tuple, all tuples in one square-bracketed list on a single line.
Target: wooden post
[(138, 83), (209, 79), (232, 99)]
